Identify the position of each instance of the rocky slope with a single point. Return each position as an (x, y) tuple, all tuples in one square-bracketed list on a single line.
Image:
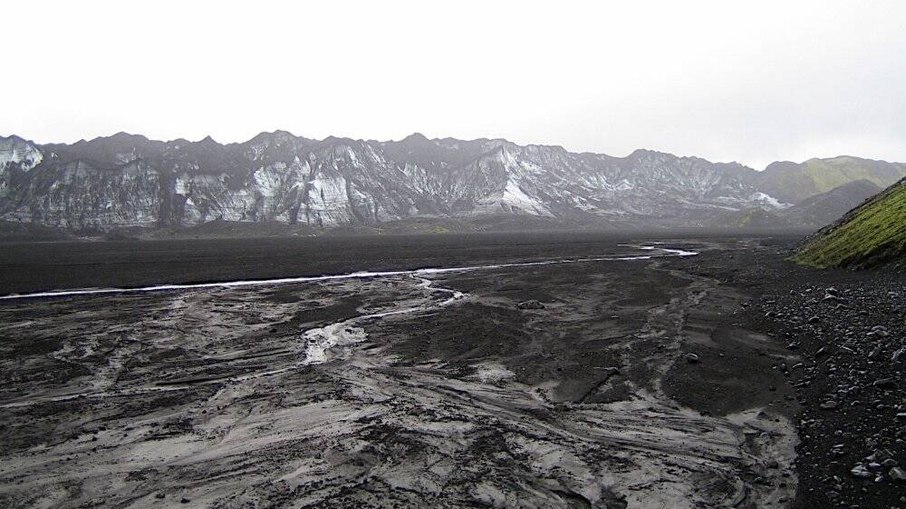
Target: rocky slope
[(128, 180), (824, 208), (849, 330), (871, 234)]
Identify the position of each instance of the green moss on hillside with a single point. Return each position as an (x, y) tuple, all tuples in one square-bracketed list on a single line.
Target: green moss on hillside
[(830, 173), (871, 234)]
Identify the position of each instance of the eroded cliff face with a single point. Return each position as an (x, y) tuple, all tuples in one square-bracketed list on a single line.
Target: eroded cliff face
[(127, 180)]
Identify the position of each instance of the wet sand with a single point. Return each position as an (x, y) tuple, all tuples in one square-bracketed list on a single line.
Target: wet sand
[(597, 383)]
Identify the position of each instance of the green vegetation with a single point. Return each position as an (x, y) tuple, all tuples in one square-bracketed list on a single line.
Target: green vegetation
[(869, 235), (830, 173)]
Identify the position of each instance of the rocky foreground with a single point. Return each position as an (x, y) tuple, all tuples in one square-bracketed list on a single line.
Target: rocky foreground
[(849, 329), (733, 378)]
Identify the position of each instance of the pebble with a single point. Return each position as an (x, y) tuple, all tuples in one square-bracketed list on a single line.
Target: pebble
[(897, 474), (861, 471), (530, 304), (829, 405)]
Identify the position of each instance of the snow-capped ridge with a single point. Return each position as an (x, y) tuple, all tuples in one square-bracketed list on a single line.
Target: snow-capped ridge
[(276, 176)]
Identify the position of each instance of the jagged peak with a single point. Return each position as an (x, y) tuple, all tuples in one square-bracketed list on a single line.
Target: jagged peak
[(272, 135), (121, 136), (416, 138), (642, 152), (337, 140), (15, 139)]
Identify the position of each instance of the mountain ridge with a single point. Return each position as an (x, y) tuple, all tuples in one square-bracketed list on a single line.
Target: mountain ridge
[(129, 180)]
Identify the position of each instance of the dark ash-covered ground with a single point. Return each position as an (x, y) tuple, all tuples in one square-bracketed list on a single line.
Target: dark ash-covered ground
[(647, 383)]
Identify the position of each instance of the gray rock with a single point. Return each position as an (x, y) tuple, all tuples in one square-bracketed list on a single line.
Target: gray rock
[(861, 472), (530, 304), (829, 405), (692, 358), (897, 474)]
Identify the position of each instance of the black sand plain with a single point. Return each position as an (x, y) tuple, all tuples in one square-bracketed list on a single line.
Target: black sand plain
[(662, 382)]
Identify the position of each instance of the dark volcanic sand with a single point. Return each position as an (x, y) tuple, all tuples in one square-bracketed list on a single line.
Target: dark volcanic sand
[(588, 399)]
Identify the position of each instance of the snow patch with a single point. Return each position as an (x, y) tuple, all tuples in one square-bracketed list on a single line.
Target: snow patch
[(768, 200), (514, 196), (25, 155), (492, 373), (319, 340), (267, 180)]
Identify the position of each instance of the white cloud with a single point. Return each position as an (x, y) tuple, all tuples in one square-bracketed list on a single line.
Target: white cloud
[(724, 80)]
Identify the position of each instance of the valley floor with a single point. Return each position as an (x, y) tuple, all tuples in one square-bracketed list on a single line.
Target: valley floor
[(653, 382)]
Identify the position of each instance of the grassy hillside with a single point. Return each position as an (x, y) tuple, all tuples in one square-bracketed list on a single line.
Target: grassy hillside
[(872, 234), (830, 173), (793, 183)]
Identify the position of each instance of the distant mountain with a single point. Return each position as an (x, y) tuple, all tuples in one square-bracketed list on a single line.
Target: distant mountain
[(130, 181), (792, 182), (822, 209), (871, 234)]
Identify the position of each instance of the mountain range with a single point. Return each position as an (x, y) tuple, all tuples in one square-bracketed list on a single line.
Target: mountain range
[(130, 181)]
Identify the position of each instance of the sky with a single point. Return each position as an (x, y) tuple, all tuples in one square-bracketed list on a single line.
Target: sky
[(751, 82)]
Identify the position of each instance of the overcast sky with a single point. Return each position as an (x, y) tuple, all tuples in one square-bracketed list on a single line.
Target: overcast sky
[(747, 81)]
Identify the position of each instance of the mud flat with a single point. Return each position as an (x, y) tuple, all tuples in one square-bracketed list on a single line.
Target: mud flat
[(617, 377)]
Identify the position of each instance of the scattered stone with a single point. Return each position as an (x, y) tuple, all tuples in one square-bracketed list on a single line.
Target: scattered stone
[(897, 474), (184, 500), (530, 304), (829, 405), (878, 331), (885, 383), (814, 319), (861, 472), (692, 358)]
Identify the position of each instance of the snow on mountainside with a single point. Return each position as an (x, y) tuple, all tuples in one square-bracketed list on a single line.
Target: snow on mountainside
[(129, 180), (16, 154), (16, 151)]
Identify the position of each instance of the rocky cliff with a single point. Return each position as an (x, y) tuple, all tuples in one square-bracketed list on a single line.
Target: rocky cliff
[(129, 180)]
